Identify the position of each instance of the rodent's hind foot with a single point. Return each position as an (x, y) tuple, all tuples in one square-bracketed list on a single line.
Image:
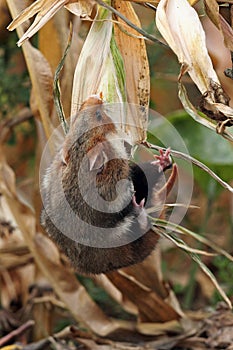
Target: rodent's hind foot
[(136, 205)]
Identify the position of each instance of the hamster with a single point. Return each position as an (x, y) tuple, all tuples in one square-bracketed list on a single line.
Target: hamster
[(95, 197)]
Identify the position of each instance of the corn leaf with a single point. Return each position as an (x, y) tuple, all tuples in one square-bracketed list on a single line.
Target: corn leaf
[(181, 244)]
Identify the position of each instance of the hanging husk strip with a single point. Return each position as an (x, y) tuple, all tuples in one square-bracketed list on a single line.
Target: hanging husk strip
[(56, 87)]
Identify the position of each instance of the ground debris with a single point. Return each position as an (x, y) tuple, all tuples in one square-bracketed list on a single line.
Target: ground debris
[(213, 332)]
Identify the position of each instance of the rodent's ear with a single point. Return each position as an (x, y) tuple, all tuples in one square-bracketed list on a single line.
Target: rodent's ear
[(97, 157), (65, 156)]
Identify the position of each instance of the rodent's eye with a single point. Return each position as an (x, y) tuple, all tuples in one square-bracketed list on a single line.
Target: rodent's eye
[(98, 115), (99, 171)]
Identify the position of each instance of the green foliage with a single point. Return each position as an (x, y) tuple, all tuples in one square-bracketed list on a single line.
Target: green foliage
[(14, 85), (99, 295), (224, 274), (202, 144)]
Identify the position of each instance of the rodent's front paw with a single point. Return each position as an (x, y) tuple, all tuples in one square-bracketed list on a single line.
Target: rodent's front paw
[(164, 160)]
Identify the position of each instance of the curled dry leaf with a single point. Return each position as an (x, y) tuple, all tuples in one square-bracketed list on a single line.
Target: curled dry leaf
[(44, 10), (174, 21), (193, 112), (82, 8), (214, 104)]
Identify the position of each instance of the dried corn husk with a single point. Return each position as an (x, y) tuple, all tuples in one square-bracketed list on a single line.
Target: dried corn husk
[(44, 11), (106, 73), (180, 26)]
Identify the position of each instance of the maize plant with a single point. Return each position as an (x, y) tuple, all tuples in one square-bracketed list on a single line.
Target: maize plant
[(74, 50)]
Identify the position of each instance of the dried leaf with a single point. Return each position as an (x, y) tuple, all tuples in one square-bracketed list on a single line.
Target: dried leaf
[(103, 281), (159, 328), (82, 8), (144, 33), (92, 345), (17, 272), (7, 176), (149, 273), (151, 307), (133, 51), (212, 9), (15, 283), (45, 10), (191, 110), (91, 64), (40, 74), (215, 104), (69, 290), (219, 329), (52, 44), (174, 21)]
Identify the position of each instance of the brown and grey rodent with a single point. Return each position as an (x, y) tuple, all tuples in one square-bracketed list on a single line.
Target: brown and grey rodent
[(95, 197)]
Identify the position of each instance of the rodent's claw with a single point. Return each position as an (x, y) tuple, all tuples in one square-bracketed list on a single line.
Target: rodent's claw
[(141, 213), (140, 205), (163, 160)]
